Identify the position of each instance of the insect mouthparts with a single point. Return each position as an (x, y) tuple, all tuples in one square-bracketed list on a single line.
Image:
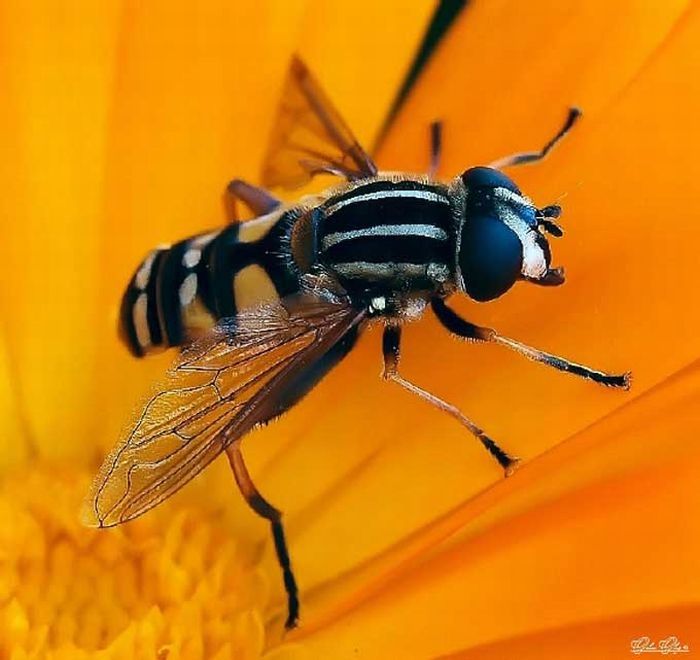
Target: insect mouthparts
[(544, 218)]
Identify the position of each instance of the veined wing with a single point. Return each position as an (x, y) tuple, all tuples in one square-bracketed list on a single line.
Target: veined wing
[(310, 137), (220, 388)]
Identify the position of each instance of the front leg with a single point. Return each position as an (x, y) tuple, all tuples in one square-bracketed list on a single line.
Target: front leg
[(535, 156), (391, 347), (466, 330)]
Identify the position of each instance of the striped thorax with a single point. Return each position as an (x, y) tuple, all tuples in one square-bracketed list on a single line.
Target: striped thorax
[(389, 235)]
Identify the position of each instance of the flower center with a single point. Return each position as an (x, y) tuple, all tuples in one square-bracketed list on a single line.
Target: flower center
[(168, 583)]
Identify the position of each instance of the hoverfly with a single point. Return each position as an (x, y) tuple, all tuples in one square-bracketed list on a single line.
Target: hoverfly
[(264, 308)]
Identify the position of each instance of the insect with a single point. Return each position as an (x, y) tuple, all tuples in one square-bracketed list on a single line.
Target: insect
[(264, 308)]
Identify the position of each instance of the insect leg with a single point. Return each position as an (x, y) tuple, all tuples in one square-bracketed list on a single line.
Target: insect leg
[(534, 156), (391, 349), (435, 147), (466, 330), (263, 508), (258, 200)]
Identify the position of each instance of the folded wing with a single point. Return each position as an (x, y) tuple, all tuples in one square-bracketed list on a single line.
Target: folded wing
[(310, 137), (220, 388)]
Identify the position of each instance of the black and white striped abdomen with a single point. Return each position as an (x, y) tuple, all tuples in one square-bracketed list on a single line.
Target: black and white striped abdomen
[(168, 297), (396, 233), (179, 292)]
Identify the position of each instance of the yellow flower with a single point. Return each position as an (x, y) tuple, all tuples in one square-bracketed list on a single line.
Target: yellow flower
[(170, 586), (121, 124)]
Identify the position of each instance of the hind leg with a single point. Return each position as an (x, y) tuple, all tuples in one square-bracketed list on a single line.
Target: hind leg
[(264, 509), (258, 200)]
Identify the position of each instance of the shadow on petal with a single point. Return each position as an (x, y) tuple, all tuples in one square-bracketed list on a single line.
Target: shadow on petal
[(603, 640)]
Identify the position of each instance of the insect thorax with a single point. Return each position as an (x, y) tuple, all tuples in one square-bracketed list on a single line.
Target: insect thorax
[(388, 236)]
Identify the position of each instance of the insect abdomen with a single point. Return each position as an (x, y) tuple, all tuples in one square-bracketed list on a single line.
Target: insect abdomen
[(179, 292), (392, 233)]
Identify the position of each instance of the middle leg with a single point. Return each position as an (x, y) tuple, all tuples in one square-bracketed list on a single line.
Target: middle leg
[(534, 156), (391, 348), (435, 147)]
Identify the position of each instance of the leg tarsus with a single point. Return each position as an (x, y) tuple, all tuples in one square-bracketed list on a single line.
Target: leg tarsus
[(290, 584), (535, 156)]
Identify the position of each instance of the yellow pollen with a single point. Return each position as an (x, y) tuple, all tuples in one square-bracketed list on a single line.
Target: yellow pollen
[(169, 585)]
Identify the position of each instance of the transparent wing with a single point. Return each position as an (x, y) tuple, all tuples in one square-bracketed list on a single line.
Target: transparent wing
[(310, 137), (220, 388)]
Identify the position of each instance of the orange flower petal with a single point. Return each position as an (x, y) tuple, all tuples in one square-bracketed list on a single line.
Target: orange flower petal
[(603, 640), (600, 527), (56, 75), (360, 52), (14, 449), (194, 94), (126, 121)]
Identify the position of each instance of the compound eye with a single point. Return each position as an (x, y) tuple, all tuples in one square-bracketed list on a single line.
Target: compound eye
[(490, 257), (487, 177)]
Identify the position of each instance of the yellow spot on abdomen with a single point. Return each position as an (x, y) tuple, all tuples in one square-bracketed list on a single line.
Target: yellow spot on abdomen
[(196, 318), (253, 230), (140, 316), (252, 286)]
